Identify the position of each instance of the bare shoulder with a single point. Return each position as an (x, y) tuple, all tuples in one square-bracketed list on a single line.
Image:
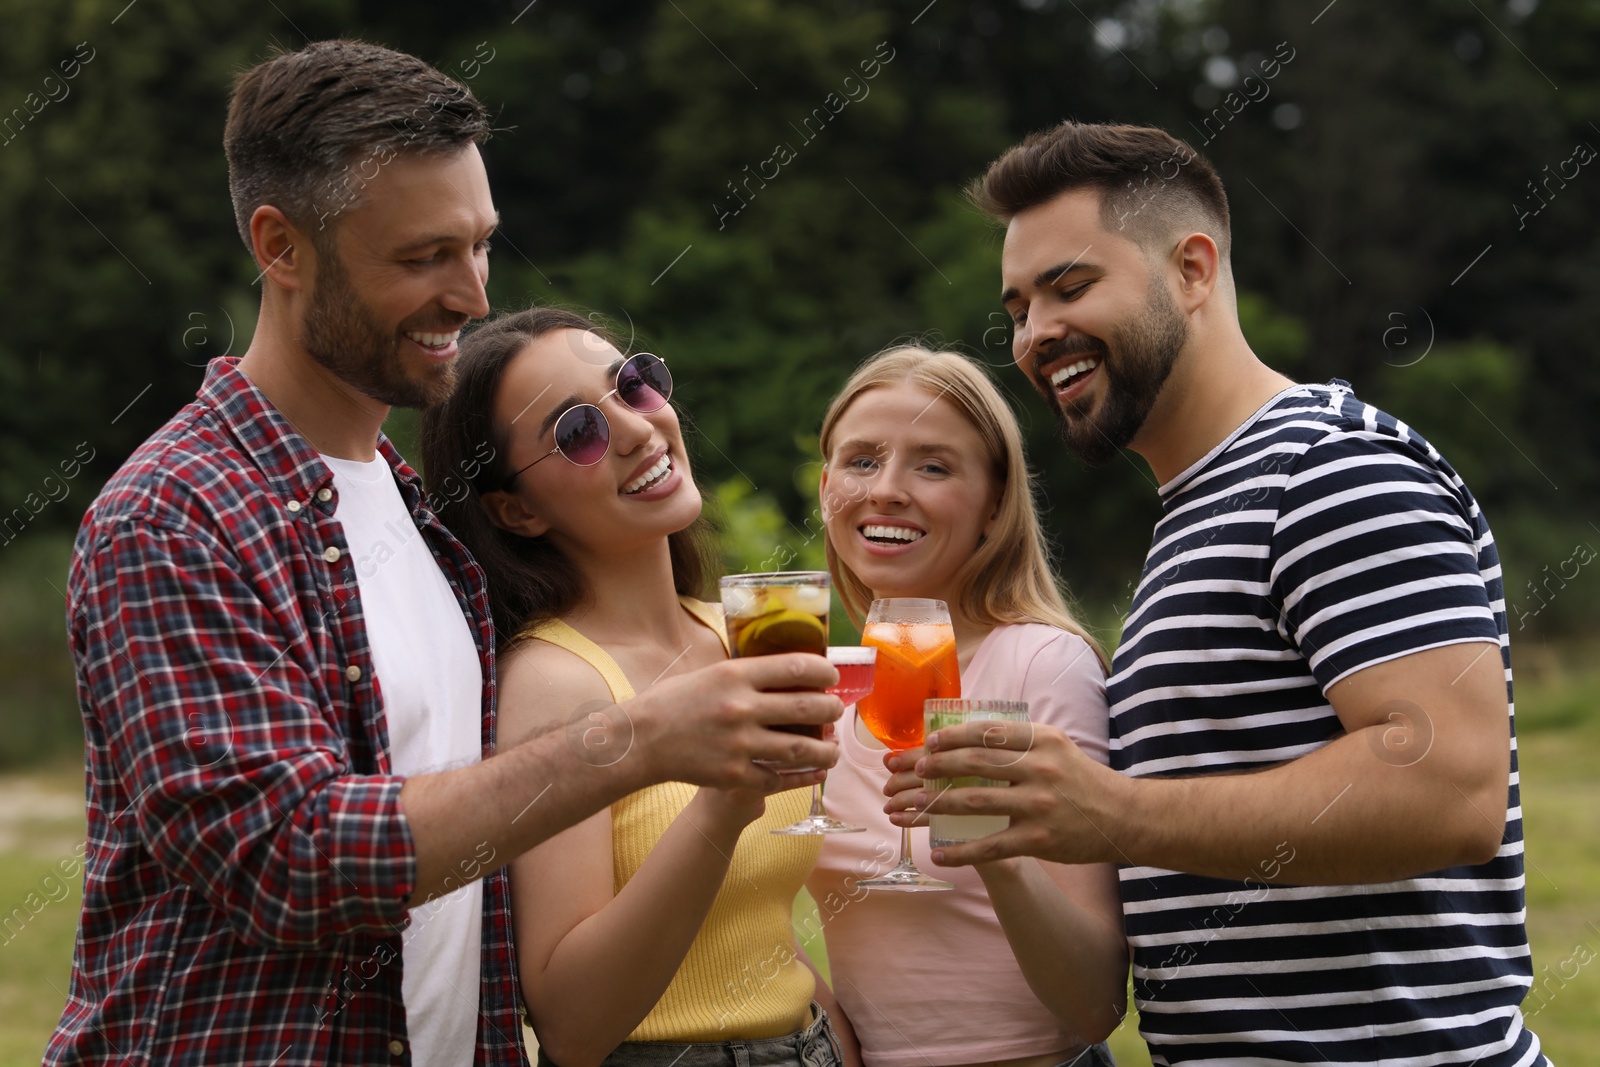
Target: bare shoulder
[(541, 685)]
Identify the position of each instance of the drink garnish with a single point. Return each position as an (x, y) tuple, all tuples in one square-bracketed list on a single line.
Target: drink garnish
[(784, 630)]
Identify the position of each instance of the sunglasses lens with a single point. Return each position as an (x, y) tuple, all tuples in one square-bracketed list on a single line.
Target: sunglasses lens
[(583, 435), (644, 383)]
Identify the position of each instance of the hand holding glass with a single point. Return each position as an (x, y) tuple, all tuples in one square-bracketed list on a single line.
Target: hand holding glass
[(777, 612), (937, 714), (854, 664)]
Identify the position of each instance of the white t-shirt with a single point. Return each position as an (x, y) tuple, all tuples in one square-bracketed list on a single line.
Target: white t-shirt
[(428, 673)]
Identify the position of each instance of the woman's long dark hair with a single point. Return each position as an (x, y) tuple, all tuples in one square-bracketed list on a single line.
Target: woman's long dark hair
[(530, 581)]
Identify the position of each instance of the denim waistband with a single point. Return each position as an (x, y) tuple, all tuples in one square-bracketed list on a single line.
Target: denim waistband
[(1093, 1056), (814, 1046)]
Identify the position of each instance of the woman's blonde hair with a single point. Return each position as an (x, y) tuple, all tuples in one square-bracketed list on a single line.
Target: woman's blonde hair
[(1009, 578)]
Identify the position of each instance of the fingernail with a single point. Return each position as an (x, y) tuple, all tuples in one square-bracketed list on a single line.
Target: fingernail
[(932, 743), (922, 801), (921, 764), (893, 762), (938, 855)]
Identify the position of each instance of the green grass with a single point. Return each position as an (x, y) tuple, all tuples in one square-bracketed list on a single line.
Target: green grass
[(1558, 721), (41, 825), (1560, 744), (38, 701)]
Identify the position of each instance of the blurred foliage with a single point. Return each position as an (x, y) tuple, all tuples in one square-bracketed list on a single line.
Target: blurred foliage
[(38, 699), (766, 193), (1281, 340), (757, 536)]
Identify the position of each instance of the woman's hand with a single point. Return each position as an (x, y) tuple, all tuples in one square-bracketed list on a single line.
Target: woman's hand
[(726, 809), (734, 809), (903, 784)]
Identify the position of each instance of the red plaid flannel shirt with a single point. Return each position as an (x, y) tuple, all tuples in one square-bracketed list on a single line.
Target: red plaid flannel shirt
[(247, 859)]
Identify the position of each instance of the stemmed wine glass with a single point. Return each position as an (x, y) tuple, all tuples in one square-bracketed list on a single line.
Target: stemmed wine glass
[(854, 663), (916, 661)]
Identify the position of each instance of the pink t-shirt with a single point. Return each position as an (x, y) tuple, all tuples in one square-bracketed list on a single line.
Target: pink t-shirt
[(929, 977)]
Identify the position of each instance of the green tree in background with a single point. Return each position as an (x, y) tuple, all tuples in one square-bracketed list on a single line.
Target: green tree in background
[(766, 193)]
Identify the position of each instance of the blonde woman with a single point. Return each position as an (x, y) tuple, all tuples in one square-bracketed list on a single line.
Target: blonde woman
[(925, 493)]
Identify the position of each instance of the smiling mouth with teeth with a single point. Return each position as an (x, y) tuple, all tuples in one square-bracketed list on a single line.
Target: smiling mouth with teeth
[(433, 340), (891, 535), (1069, 375), (650, 478)]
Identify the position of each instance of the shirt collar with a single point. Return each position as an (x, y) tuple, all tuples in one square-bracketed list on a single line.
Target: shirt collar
[(293, 468)]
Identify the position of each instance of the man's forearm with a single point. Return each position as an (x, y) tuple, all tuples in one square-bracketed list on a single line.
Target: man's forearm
[(1417, 784), (1348, 815), (467, 822)]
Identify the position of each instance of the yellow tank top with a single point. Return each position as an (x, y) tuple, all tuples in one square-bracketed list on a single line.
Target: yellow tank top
[(741, 978)]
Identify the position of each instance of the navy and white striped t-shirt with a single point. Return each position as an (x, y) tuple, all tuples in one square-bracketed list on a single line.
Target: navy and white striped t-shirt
[(1321, 538)]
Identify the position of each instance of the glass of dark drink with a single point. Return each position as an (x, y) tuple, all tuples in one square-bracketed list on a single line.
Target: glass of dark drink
[(784, 611), (781, 611)]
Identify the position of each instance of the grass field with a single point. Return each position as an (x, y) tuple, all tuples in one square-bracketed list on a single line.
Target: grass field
[(41, 824)]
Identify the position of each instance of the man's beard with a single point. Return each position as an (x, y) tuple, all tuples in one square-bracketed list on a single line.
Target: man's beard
[(343, 334), (1145, 352)]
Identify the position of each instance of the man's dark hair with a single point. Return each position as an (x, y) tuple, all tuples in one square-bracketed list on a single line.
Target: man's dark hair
[(530, 580), (308, 130), (1151, 184)]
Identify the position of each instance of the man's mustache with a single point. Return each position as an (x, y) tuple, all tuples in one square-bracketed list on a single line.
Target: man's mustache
[(454, 323)]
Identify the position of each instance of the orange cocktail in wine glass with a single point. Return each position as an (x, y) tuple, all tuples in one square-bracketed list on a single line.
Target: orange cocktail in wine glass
[(916, 661)]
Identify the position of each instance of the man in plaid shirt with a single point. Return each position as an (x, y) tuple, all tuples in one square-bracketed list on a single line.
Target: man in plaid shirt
[(278, 779)]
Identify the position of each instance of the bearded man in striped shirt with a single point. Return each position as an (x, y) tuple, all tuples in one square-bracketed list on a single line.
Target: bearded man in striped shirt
[(1313, 790)]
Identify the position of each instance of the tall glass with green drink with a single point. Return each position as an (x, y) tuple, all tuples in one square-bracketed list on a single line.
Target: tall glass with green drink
[(938, 714)]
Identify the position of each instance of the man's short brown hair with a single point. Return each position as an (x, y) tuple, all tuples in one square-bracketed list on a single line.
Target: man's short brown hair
[(1151, 184), (308, 130)]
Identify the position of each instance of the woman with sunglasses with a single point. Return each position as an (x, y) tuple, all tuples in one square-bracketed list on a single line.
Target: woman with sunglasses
[(658, 931)]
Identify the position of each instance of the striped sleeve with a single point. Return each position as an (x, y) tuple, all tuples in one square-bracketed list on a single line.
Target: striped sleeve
[(1374, 556), (240, 786)]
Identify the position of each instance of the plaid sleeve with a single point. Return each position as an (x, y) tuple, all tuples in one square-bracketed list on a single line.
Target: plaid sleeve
[(238, 778)]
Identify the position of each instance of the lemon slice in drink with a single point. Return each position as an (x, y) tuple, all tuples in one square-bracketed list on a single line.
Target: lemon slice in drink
[(783, 631)]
